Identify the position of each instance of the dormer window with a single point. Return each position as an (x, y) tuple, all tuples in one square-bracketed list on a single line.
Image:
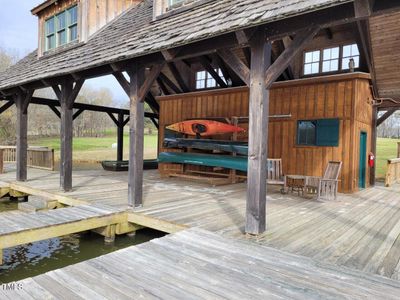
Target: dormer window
[(165, 8), (172, 3), (62, 28)]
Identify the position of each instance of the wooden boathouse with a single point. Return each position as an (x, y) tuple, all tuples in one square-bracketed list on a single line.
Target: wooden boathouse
[(306, 79)]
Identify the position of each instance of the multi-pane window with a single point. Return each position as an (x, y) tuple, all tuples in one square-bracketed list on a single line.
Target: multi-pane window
[(73, 23), (350, 52), (306, 133), (204, 80), (50, 34), (62, 28), (331, 59), (311, 62), (174, 2)]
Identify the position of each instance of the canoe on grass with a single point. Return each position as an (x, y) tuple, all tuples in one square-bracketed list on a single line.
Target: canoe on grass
[(205, 144), (204, 127), (123, 165), (210, 160)]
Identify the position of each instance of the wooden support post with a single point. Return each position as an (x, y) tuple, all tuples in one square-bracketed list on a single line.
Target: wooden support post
[(258, 135), (67, 95), (136, 131), (109, 237), (66, 139), (120, 137), (22, 100), (398, 150)]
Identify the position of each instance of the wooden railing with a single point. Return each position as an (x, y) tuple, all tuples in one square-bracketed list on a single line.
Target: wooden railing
[(38, 157), (393, 172)]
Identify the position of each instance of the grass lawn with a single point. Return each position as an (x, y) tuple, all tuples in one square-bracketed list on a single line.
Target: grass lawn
[(386, 149), (97, 149)]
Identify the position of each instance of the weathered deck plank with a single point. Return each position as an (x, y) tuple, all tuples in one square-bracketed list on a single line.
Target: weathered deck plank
[(359, 231), (178, 266)]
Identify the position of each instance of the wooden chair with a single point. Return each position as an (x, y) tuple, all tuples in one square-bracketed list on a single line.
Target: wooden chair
[(327, 186), (274, 172)]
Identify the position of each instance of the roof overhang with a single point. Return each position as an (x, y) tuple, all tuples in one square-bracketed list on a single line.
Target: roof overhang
[(42, 6)]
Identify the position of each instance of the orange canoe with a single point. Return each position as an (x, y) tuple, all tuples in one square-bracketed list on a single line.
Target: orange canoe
[(204, 127)]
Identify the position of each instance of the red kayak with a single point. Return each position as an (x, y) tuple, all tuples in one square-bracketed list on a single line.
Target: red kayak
[(204, 127)]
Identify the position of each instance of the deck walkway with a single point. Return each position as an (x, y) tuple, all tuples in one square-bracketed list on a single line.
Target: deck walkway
[(179, 266), (359, 231)]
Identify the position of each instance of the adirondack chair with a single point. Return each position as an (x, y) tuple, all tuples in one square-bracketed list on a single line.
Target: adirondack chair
[(327, 186), (274, 172)]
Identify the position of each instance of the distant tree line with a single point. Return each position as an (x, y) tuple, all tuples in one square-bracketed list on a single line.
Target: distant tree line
[(42, 122), (391, 127)]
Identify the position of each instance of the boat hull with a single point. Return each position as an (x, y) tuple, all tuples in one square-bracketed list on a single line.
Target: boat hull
[(204, 128), (121, 166)]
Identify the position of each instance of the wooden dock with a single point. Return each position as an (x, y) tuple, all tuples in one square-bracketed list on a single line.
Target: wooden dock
[(22, 228), (359, 232), (197, 264)]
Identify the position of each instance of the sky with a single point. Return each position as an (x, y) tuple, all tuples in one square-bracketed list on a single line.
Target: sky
[(19, 34)]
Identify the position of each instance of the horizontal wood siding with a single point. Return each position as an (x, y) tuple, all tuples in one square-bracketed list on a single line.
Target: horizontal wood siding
[(343, 99)]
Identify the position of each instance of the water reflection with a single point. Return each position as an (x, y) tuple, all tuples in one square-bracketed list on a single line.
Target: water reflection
[(37, 258), (6, 205)]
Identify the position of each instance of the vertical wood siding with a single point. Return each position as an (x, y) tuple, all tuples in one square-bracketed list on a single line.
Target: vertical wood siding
[(342, 97)]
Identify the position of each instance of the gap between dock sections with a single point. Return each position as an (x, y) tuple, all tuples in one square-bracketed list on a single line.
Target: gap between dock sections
[(140, 219)]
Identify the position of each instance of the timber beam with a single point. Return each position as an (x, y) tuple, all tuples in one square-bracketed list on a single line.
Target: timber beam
[(67, 92), (53, 104), (6, 106), (236, 64), (174, 71), (386, 115), (283, 61), (205, 62)]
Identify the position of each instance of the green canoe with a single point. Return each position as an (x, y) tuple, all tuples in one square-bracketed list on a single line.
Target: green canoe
[(210, 160)]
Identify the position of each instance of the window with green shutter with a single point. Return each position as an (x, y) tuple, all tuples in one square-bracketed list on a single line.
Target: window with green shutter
[(322, 132)]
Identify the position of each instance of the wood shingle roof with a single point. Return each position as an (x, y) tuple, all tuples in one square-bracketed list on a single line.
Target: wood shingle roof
[(135, 34)]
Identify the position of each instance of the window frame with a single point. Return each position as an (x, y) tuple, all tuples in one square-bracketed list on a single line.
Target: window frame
[(320, 124), (351, 56), (340, 63), (207, 78), (58, 30), (298, 133), (47, 35)]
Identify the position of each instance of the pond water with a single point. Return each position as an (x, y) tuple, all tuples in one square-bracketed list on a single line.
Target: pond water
[(6, 205), (37, 258)]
